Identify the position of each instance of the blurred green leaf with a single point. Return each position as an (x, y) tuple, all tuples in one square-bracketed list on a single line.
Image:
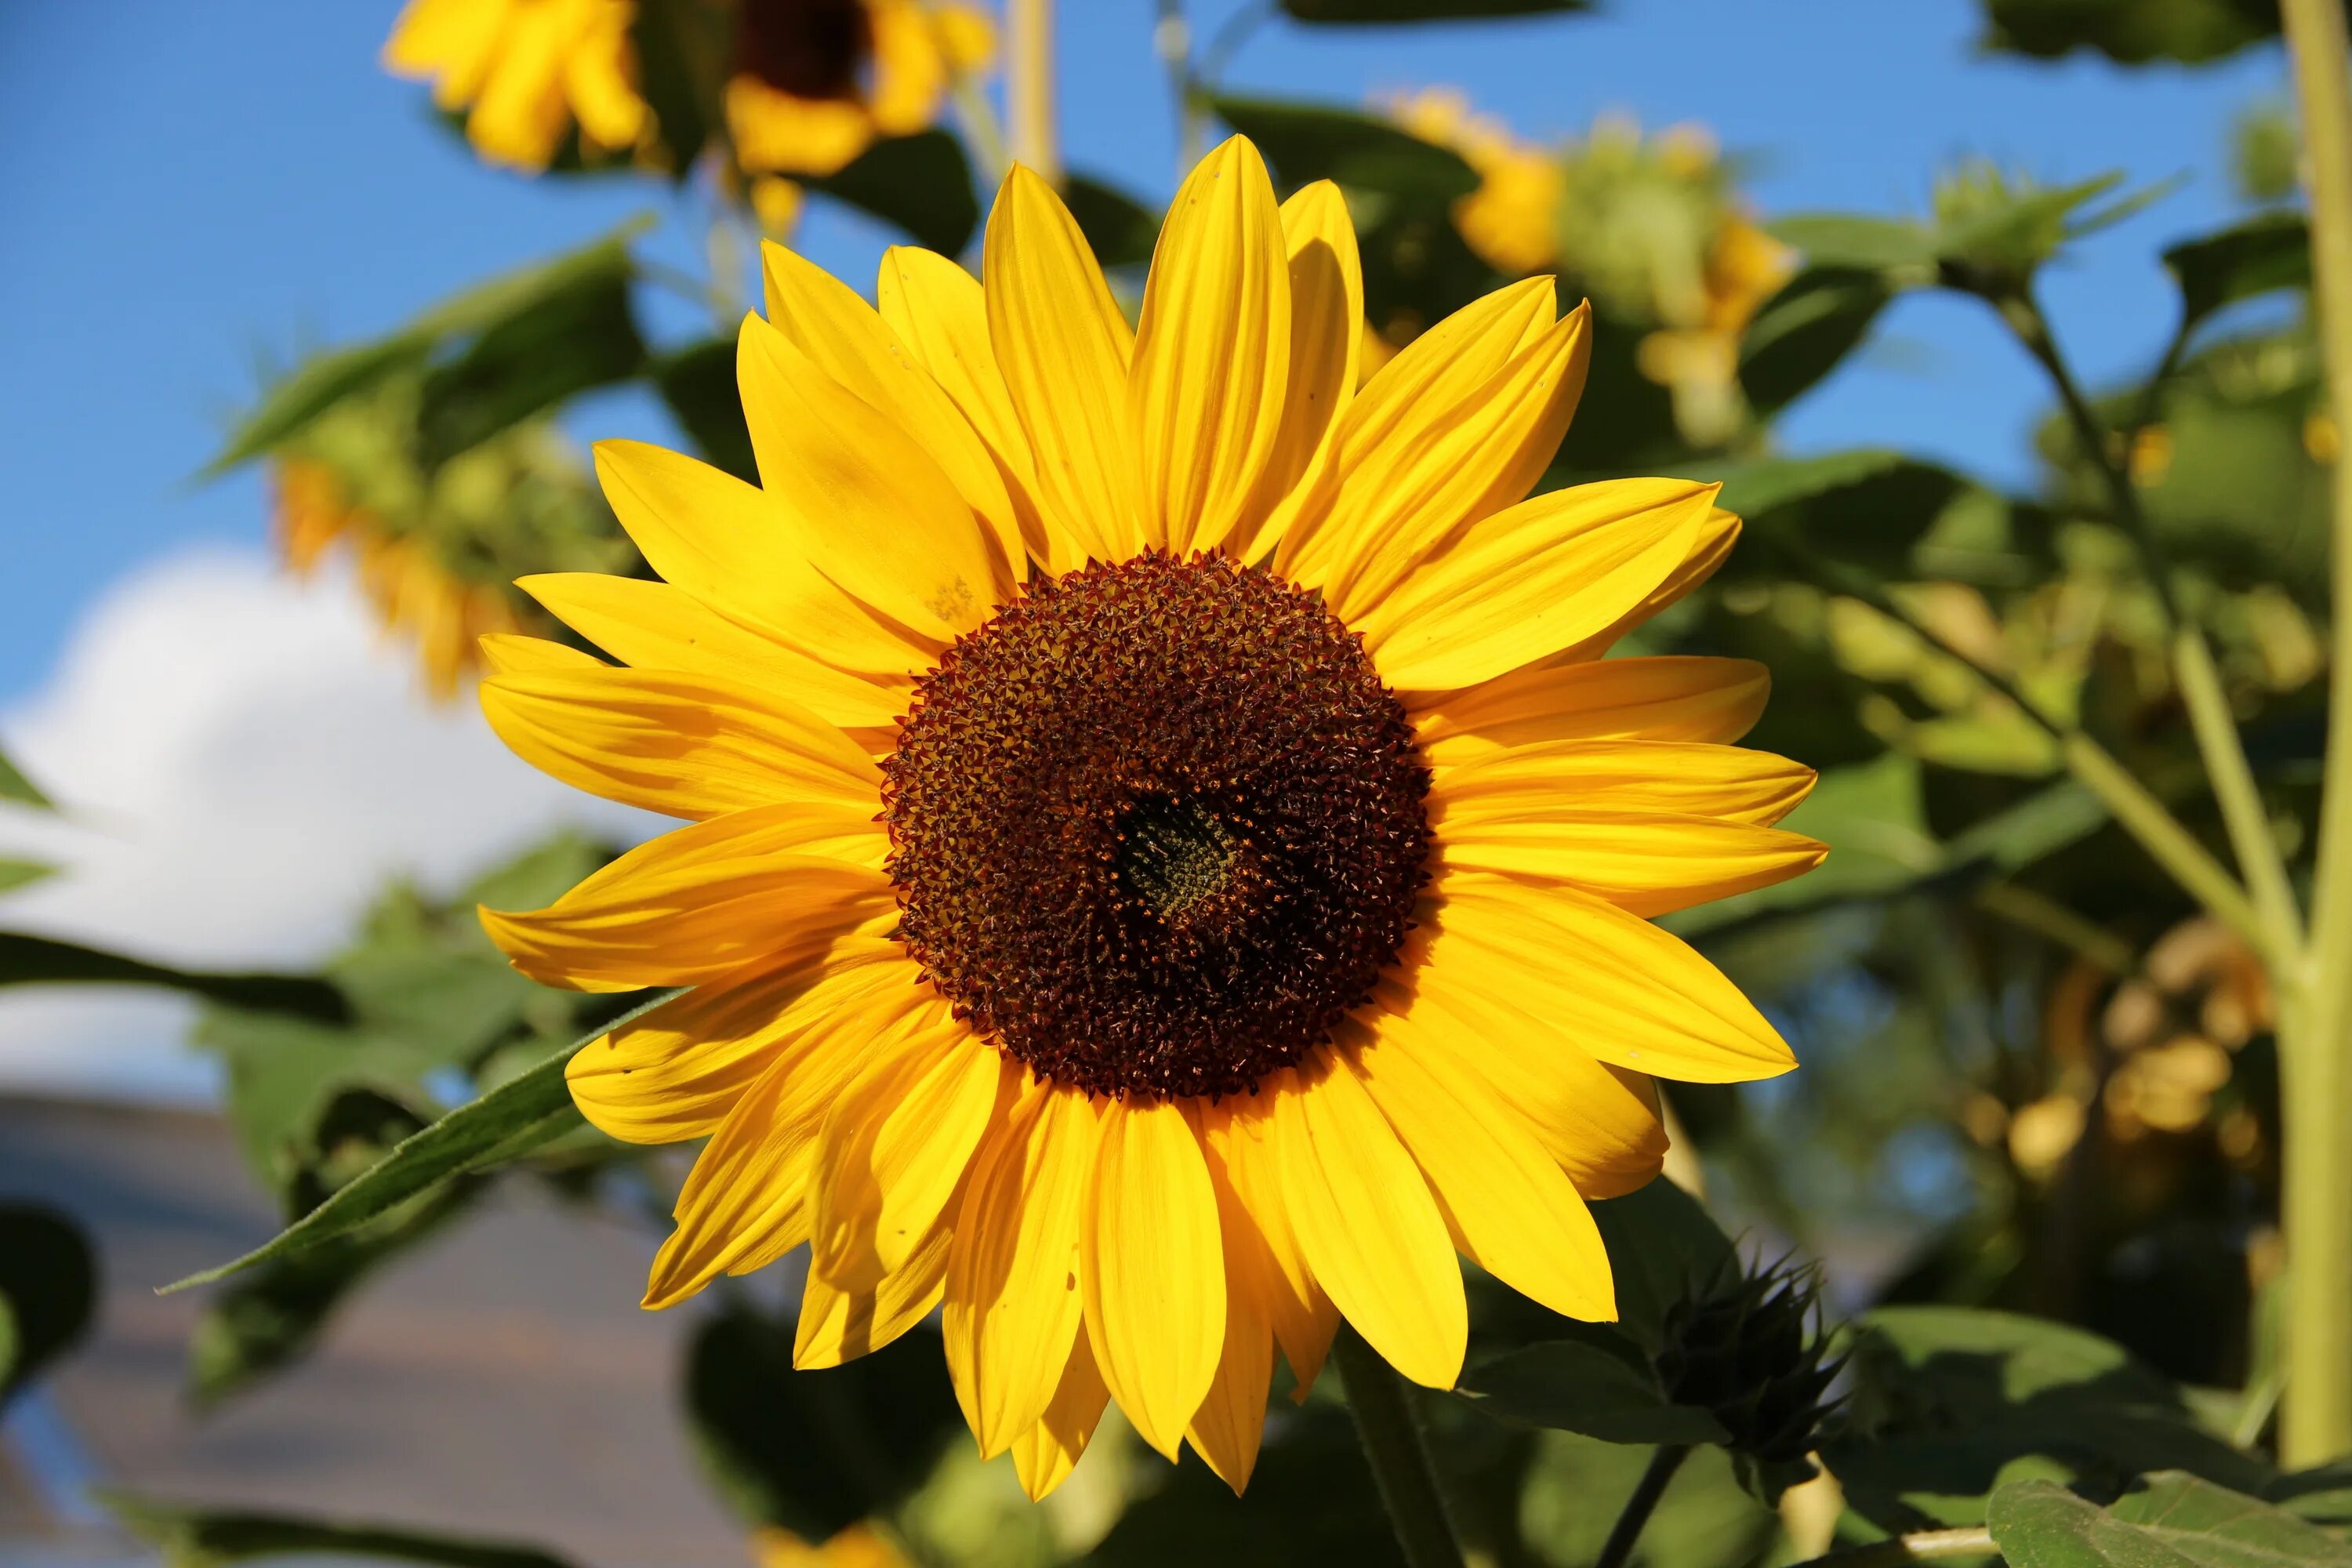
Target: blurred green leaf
[(1865, 507), (1664, 1251), (1306, 143), (2133, 32), (522, 1114), (1595, 1381), (15, 873), (26, 960), (815, 1451), (697, 382), (2323, 1496), (1848, 241), (1949, 1403), (571, 338), (681, 48), (311, 388), (17, 788), (48, 1288), (2258, 257), (1804, 331), (2167, 1520), (1363, 10), (191, 1536), (1122, 230), (921, 183)]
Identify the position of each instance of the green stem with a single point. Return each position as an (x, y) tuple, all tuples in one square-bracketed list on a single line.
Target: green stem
[(1917, 1546), (1664, 1463), (1171, 37), (1398, 1451), (2315, 1027)]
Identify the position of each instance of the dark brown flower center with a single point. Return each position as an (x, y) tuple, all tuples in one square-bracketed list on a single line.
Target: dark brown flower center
[(1157, 826), (810, 48)]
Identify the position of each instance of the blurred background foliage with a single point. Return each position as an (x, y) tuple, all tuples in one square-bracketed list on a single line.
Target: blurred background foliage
[(2032, 1158)]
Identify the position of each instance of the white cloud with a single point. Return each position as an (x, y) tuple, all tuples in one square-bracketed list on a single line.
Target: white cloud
[(242, 760)]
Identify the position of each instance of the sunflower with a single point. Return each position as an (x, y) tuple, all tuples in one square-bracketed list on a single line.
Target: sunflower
[(526, 71), (1512, 219), (816, 81), (1168, 864)]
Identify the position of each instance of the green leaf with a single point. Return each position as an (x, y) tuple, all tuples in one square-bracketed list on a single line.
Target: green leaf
[(2167, 1520), (1305, 142), (681, 48), (1357, 12), (17, 788), (26, 960), (1804, 331), (920, 182), (1122, 230), (697, 382), (15, 873), (197, 1537), (815, 1451), (1950, 1402), (1848, 241), (518, 1116), (2133, 32), (318, 384), (1597, 1381), (48, 1285), (2260, 256), (1665, 1250), (2323, 1496), (1866, 508)]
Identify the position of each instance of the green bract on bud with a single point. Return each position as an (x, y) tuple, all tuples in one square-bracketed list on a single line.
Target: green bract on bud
[(1750, 1350)]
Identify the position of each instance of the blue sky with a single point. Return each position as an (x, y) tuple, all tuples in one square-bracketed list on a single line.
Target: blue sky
[(190, 190)]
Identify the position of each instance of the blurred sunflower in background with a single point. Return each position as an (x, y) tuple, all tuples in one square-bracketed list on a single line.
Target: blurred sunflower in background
[(1169, 865), (527, 72)]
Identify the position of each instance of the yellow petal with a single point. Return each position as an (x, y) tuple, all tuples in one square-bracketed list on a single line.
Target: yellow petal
[(1528, 783), (1044, 1456), (680, 744), (1064, 348), (746, 1201), (1413, 394), (1212, 353), (1505, 1202), (1013, 1304), (1708, 551), (654, 626), (894, 1150), (1368, 1224), (1666, 699), (1326, 315), (837, 1325), (845, 337), (872, 511), (511, 653), (1648, 863), (1227, 1427), (729, 545), (1628, 993), (1260, 1248), (1458, 464), (1152, 1268), (669, 915), (1528, 582), (675, 1072)]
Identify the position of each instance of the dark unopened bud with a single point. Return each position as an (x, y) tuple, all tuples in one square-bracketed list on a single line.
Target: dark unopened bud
[(1751, 1351)]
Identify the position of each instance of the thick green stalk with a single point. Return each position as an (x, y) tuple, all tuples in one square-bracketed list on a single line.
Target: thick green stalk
[(2315, 1027), (1382, 1403), (1618, 1549)]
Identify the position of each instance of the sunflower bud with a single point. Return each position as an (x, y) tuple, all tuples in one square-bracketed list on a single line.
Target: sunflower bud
[(1751, 1351)]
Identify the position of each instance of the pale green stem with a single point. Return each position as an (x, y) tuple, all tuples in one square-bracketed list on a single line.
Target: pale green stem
[(1918, 1546), (2315, 1027), (1171, 39), (980, 121), (1029, 86), (1398, 1451)]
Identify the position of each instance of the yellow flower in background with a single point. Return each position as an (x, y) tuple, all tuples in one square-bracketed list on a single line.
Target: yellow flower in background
[(1700, 363), (816, 81), (1167, 865), (1512, 219), (413, 594), (858, 1546), (526, 71)]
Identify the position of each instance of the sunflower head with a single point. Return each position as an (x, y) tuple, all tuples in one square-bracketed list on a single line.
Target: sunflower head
[(813, 82), (1167, 865), (527, 73), (1750, 1350)]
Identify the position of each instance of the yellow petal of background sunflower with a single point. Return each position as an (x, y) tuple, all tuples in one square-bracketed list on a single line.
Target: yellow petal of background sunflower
[(1013, 1304), (1063, 349), (1506, 1204), (729, 545), (873, 511), (680, 744), (1628, 993), (1212, 353), (844, 336), (1527, 783), (1260, 1248), (675, 1072), (1663, 699), (1368, 1224), (1648, 863), (1528, 582), (1044, 1456), (1152, 1269)]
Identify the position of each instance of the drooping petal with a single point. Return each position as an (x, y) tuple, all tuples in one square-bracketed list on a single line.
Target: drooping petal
[(1627, 991), (1661, 699), (845, 338), (1151, 1268), (1528, 582), (1648, 863), (674, 1073), (655, 626), (1529, 783), (1261, 1248), (1368, 1224), (873, 511), (1506, 1204), (1212, 353), (680, 744), (1326, 316), (730, 545), (1012, 1305), (1064, 348), (1044, 1455)]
